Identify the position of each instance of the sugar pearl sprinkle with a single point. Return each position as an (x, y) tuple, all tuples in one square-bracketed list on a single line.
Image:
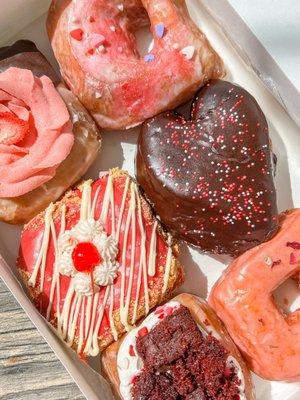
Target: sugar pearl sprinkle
[(230, 189)]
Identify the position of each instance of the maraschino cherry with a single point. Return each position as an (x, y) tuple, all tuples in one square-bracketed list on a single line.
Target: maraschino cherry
[(85, 257)]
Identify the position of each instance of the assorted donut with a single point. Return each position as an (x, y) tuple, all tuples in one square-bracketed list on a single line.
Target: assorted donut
[(215, 168), (97, 261), (243, 298), (180, 351), (47, 138), (100, 259), (95, 45)]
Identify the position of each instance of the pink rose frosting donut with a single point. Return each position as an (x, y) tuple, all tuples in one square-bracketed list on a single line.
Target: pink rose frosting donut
[(94, 42), (36, 131), (48, 140)]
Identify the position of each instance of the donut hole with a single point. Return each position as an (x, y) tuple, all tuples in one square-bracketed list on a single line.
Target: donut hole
[(144, 40), (287, 296)]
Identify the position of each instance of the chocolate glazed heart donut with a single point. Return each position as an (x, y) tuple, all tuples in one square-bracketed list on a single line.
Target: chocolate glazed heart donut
[(210, 177), (95, 45)]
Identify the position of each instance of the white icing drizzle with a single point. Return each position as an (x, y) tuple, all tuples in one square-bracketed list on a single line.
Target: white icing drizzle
[(41, 260), (142, 265), (132, 258), (168, 265), (111, 319), (80, 315), (152, 256)]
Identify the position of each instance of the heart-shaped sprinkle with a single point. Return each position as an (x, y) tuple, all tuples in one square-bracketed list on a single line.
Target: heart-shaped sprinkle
[(131, 351), (160, 30), (143, 331), (77, 34)]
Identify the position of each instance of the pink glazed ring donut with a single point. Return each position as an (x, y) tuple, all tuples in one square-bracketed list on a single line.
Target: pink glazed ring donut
[(242, 298), (95, 44)]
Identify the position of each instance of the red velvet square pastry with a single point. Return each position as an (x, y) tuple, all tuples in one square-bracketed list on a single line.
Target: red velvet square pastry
[(97, 261)]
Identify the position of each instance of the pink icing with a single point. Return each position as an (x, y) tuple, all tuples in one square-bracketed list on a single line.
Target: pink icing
[(29, 163)]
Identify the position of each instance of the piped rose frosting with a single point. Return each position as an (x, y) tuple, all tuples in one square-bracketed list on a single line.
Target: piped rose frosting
[(36, 133)]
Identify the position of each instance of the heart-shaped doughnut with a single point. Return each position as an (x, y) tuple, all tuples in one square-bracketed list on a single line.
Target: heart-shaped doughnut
[(210, 177)]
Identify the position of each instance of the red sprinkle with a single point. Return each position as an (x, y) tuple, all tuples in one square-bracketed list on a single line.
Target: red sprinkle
[(91, 51), (91, 19), (227, 372), (143, 331), (277, 262), (159, 310), (294, 245), (168, 310), (133, 380), (131, 351), (77, 34), (293, 259)]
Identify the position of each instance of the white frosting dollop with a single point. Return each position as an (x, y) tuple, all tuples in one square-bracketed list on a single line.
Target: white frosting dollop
[(82, 284), (65, 242), (105, 273), (109, 248), (87, 230), (65, 263)]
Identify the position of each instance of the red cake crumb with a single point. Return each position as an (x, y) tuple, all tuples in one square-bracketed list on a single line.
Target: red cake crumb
[(181, 363)]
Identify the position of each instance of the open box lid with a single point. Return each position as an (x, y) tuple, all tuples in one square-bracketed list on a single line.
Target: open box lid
[(90, 383)]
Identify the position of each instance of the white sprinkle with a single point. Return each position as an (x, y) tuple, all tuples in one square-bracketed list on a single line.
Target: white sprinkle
[(112, 28), (151, 45), (188, 52), (75, 20), (120, 7), (120, 49), (269, 261), (101, 49), (98, 95), (175, 46)]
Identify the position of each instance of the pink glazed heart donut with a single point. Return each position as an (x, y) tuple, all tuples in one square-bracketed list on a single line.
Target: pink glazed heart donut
[(94, 42)]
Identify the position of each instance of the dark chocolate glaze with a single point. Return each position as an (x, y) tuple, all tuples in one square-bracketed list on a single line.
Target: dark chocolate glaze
[(210, 178), (24, 54)]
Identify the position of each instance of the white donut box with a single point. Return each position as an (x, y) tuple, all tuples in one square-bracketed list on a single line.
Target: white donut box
[(248, 63)]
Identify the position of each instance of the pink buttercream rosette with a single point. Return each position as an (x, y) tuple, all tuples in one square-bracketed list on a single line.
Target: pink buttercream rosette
[(29, 161)]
